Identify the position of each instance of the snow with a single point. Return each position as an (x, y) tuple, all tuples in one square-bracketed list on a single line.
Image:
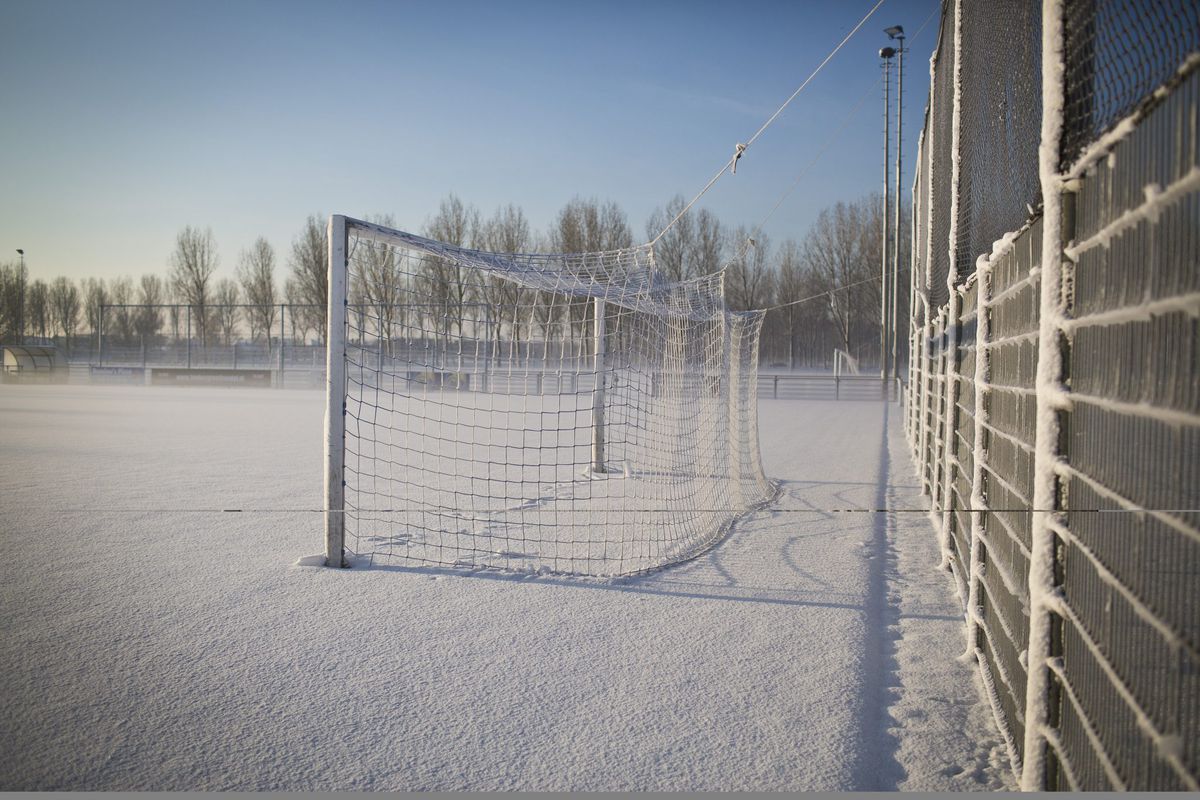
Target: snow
[(154, 641), (1157, 198)]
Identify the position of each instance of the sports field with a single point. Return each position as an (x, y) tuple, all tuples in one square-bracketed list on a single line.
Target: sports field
[(153, 640)]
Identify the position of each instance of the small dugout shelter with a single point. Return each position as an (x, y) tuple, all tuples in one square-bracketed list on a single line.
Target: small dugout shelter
[(37, 362)]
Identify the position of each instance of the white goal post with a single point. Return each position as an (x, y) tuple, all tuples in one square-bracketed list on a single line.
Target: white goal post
[(566, 413)]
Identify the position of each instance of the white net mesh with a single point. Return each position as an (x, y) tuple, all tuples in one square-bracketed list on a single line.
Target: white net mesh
[(563, 413)]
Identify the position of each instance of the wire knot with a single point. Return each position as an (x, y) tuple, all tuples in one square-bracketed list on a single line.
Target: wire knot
[(738, 149)]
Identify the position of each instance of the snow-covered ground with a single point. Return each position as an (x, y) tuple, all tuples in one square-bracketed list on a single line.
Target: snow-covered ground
[(149, 640)]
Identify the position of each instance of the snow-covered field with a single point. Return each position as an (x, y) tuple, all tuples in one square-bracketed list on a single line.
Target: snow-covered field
[(151, 641)]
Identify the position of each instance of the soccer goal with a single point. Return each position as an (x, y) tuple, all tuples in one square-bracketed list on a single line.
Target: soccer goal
[(537, 413)]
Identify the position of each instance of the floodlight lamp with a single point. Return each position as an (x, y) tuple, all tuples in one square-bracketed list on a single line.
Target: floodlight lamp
[(895, 32)]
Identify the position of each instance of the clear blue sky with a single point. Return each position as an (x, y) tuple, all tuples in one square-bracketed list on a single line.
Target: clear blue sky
[(123, 121)]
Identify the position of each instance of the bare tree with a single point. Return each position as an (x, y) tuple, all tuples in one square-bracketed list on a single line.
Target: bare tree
[(175, 315), (674, 253), (588, 226), (708, 244), (448, 285), (256, 272), (227, 297), (301, 317), (506, 232), (310, 275), (95, 297), (798, 331), (12, 302), (38, 305), (842, 250), (380, 288), (750, 280), (119, 321), (64, 308), (148, 322), (192, 266)]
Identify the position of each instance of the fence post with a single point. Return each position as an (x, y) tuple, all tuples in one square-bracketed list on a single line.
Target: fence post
[(954, 309), (1044, 623), (982, 376), (927, 430), (776, 388), (949, 413), (282, 310), (189, 337), (932, 354), (100, 336)]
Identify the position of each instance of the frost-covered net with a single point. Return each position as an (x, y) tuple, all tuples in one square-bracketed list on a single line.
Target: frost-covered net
[(570, 413)]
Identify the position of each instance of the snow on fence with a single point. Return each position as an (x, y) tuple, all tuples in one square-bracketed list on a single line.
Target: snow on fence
[(1053, 400)]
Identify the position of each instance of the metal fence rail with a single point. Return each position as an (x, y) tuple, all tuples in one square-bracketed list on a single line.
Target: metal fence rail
[(825, 386), (1083, 613)]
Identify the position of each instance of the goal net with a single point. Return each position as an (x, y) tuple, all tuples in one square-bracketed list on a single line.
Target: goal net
[(537, 413)]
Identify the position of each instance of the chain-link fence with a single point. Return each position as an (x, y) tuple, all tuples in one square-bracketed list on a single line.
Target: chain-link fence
[(213, 335), (939, 136), (1117, 54), (1000, 119), (226, 344), (1081, 604)]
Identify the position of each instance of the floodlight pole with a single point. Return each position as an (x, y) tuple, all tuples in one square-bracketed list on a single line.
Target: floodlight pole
[(897, 33), (886, 54), (21, 301)]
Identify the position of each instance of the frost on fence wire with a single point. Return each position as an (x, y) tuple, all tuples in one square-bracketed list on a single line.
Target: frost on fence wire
[(565, 413), (1075, 545), (1118, 53)]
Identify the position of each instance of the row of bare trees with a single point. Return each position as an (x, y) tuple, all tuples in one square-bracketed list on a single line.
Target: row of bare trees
[(218, 305), (155, 306), (820, 287), (37, 308), (823, 289)]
